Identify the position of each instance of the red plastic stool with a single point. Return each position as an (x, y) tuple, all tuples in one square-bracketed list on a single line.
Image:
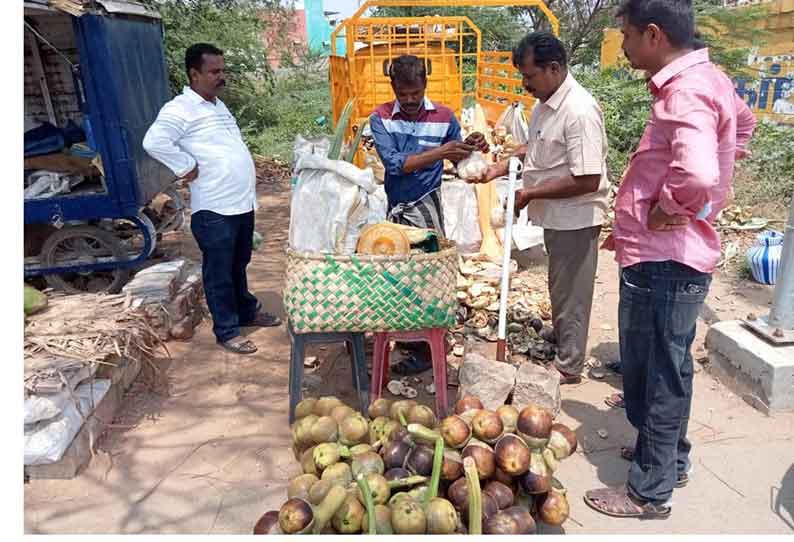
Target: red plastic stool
[(436, 337)]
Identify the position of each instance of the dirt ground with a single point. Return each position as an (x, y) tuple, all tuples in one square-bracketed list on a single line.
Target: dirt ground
[(203, 446)]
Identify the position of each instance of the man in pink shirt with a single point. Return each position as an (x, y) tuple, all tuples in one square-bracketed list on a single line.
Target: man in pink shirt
[(665, 242)]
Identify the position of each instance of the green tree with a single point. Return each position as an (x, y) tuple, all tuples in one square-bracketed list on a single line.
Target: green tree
[(730, 34)]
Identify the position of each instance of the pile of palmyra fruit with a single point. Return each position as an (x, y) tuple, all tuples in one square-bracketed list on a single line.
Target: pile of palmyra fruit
[(402, 471)]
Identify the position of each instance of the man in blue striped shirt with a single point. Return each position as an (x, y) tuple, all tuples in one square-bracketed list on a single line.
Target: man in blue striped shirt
[(413, 137)]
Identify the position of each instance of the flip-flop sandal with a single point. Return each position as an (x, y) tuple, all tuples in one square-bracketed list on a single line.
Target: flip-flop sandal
[(240, 347), (616, 502), (627, 453), (615, 400), (411, 366), (263, 319)]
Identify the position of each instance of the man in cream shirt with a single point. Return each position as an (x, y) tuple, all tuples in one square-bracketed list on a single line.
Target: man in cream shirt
[(565, 189), (197, 137)]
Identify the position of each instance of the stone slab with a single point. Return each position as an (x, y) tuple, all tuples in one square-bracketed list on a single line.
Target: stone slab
[(78, 454), (761, 373)]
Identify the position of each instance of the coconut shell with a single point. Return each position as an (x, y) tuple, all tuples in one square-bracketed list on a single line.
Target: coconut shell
[(526, 523), (468, 402), (325, 430), (509, 416), (340, 412), (487, 425), (455, 431), (423, 415), (379, 407), (483, 456), (502, 493), (384, 239), (305, 407), (534, 426), (512, 455), (267, 522)]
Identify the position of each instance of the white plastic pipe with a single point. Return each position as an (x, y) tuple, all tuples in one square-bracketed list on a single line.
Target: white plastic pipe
[(782, 313), (514, 169)]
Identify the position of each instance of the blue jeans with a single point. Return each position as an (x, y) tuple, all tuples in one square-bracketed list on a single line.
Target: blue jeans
[(659, 307), (225, 243)]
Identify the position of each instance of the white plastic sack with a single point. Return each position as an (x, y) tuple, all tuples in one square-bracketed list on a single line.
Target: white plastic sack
[(46, 442), (305, 146), (330, 205), (459, 200), (378, 206), (44, 407), (513, 120), (524, 234)]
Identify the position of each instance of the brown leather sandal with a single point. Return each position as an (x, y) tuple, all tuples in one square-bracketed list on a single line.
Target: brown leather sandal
[(618, 503)]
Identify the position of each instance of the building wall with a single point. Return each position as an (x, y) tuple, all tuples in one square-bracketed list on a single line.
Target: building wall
[(296, 43), (771, 93)]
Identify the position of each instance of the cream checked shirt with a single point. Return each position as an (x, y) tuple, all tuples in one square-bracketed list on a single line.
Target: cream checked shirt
[(567, 137), (189, 130)]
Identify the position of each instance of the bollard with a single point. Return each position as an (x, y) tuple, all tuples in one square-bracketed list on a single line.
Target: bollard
[(782, 314)]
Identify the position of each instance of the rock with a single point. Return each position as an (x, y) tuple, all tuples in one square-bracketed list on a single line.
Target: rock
[(182, 330), (489, 380), (536, 385)]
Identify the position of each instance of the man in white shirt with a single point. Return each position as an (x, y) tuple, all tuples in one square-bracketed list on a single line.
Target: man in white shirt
[(197, 137)]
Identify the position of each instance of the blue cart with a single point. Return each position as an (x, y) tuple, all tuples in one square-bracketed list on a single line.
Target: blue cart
[(101, 69)]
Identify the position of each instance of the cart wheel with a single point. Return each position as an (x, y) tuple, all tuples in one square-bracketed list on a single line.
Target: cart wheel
[(84, 242)]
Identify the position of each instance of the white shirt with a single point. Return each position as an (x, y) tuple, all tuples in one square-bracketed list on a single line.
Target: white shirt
[(567, 137), (190, 130)]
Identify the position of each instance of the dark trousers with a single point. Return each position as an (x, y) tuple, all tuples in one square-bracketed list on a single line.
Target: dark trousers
[(573, 261), (225, 243), (659, 307)]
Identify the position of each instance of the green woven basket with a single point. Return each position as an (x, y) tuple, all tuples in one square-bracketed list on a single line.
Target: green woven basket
[(327, 292)]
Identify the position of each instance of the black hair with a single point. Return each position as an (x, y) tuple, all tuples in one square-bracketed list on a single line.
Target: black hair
[(698, 42), (194, 56), (407, 69), (545, 48), (674, 17)]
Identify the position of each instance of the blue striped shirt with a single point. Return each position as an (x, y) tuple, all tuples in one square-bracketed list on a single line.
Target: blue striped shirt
[(397, 138)]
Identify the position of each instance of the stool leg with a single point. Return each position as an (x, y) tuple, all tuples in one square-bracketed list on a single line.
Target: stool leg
[(296, 358), (439, 356), (359, 367), (380, 364)]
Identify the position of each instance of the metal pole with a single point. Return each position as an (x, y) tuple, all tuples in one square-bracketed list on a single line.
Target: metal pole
[(782, 314), (515, 167)]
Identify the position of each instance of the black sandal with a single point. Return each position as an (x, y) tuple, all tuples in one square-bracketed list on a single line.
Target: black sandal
[(263, 319), (412, 365), (244, 347)]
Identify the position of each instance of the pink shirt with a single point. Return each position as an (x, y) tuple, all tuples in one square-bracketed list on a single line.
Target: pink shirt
[(684, 162)]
